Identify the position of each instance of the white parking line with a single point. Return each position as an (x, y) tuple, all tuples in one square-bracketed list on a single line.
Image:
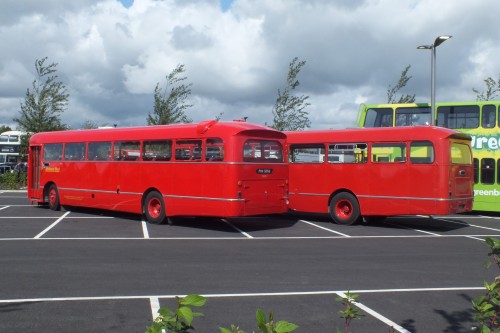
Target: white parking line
[(472, 237), (155, 306), (4, 207), (428, 232), (330, 230), (290, 293), (145, 229), (377, 315), (51, 226), (470, 225), (236, 228), (408, 228)]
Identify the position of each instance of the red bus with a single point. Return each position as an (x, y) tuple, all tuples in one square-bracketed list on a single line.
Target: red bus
[(373, 173), (207, 169)]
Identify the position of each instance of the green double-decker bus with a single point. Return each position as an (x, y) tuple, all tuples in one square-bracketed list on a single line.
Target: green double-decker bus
[(481, 120)]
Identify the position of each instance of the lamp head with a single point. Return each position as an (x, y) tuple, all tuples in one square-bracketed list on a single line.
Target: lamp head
[(441, 39)]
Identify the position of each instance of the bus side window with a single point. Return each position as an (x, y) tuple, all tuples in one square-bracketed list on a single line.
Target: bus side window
[(411, 116), (188, 150), (388, 152), (382, 117), (214, 149), (489, 116), (458, 116), (53, 152), (487, 171), (307, 153), (421, 152), (99, 151), (74, 152), (347, 153), (476, 170), (127, 151), (158, 150)]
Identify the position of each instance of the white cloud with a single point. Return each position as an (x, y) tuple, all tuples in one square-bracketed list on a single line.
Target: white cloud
[(111, 57)]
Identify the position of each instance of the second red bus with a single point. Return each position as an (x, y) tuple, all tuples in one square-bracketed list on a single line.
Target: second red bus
[(374, 173)]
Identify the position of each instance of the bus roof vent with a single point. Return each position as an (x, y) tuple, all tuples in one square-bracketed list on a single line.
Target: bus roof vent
[(204, 126)]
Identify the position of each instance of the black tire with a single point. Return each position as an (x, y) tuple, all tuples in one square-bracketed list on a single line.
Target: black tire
[(344, 209), (53, 198), (154, 208)]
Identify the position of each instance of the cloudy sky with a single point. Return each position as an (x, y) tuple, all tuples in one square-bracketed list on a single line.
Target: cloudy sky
[(111, 54)]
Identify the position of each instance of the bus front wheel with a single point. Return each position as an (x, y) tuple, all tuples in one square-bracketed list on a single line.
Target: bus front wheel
[(154, 208), (54, 203), (344, 208)]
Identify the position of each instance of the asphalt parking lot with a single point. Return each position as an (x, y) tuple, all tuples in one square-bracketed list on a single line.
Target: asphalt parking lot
[(94, 271)]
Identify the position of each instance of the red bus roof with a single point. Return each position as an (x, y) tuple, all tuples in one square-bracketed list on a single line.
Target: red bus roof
[(376, 134), (209, 128)]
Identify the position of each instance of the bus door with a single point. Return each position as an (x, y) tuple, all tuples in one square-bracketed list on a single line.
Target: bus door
[(461, 170), (34, 170)]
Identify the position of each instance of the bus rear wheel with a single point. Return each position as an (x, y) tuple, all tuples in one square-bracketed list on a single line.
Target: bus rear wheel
[(154, 208), (54, 203), (344, 208)]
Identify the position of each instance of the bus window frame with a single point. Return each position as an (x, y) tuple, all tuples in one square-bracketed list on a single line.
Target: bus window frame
[(422, 144), (447, 114), (378, 146), (53, 152), (150, 154), (76, 147), (357, 150), (486, 120), (214, 150), (188, 150), (320, 153), (128, 150), (410, 116), (96, 154), (262, 154)]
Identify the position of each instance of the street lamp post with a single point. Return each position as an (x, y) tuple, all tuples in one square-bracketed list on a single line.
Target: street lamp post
[(439, 40)]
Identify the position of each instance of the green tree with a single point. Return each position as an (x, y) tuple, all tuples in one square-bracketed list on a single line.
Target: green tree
[(392, 91), (171, 108), (4, 128), (289, 111), (44, 103), (492, 90)]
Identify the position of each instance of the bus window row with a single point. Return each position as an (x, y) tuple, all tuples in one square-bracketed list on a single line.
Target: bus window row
[(196, 150), (420, 152), (450, 116), (152, 150), (486, 171)]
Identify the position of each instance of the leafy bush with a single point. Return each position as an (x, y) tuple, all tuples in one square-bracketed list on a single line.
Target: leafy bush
[(180, 320), (350, 311), (13, 180), (265, 325), (487, 307)]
